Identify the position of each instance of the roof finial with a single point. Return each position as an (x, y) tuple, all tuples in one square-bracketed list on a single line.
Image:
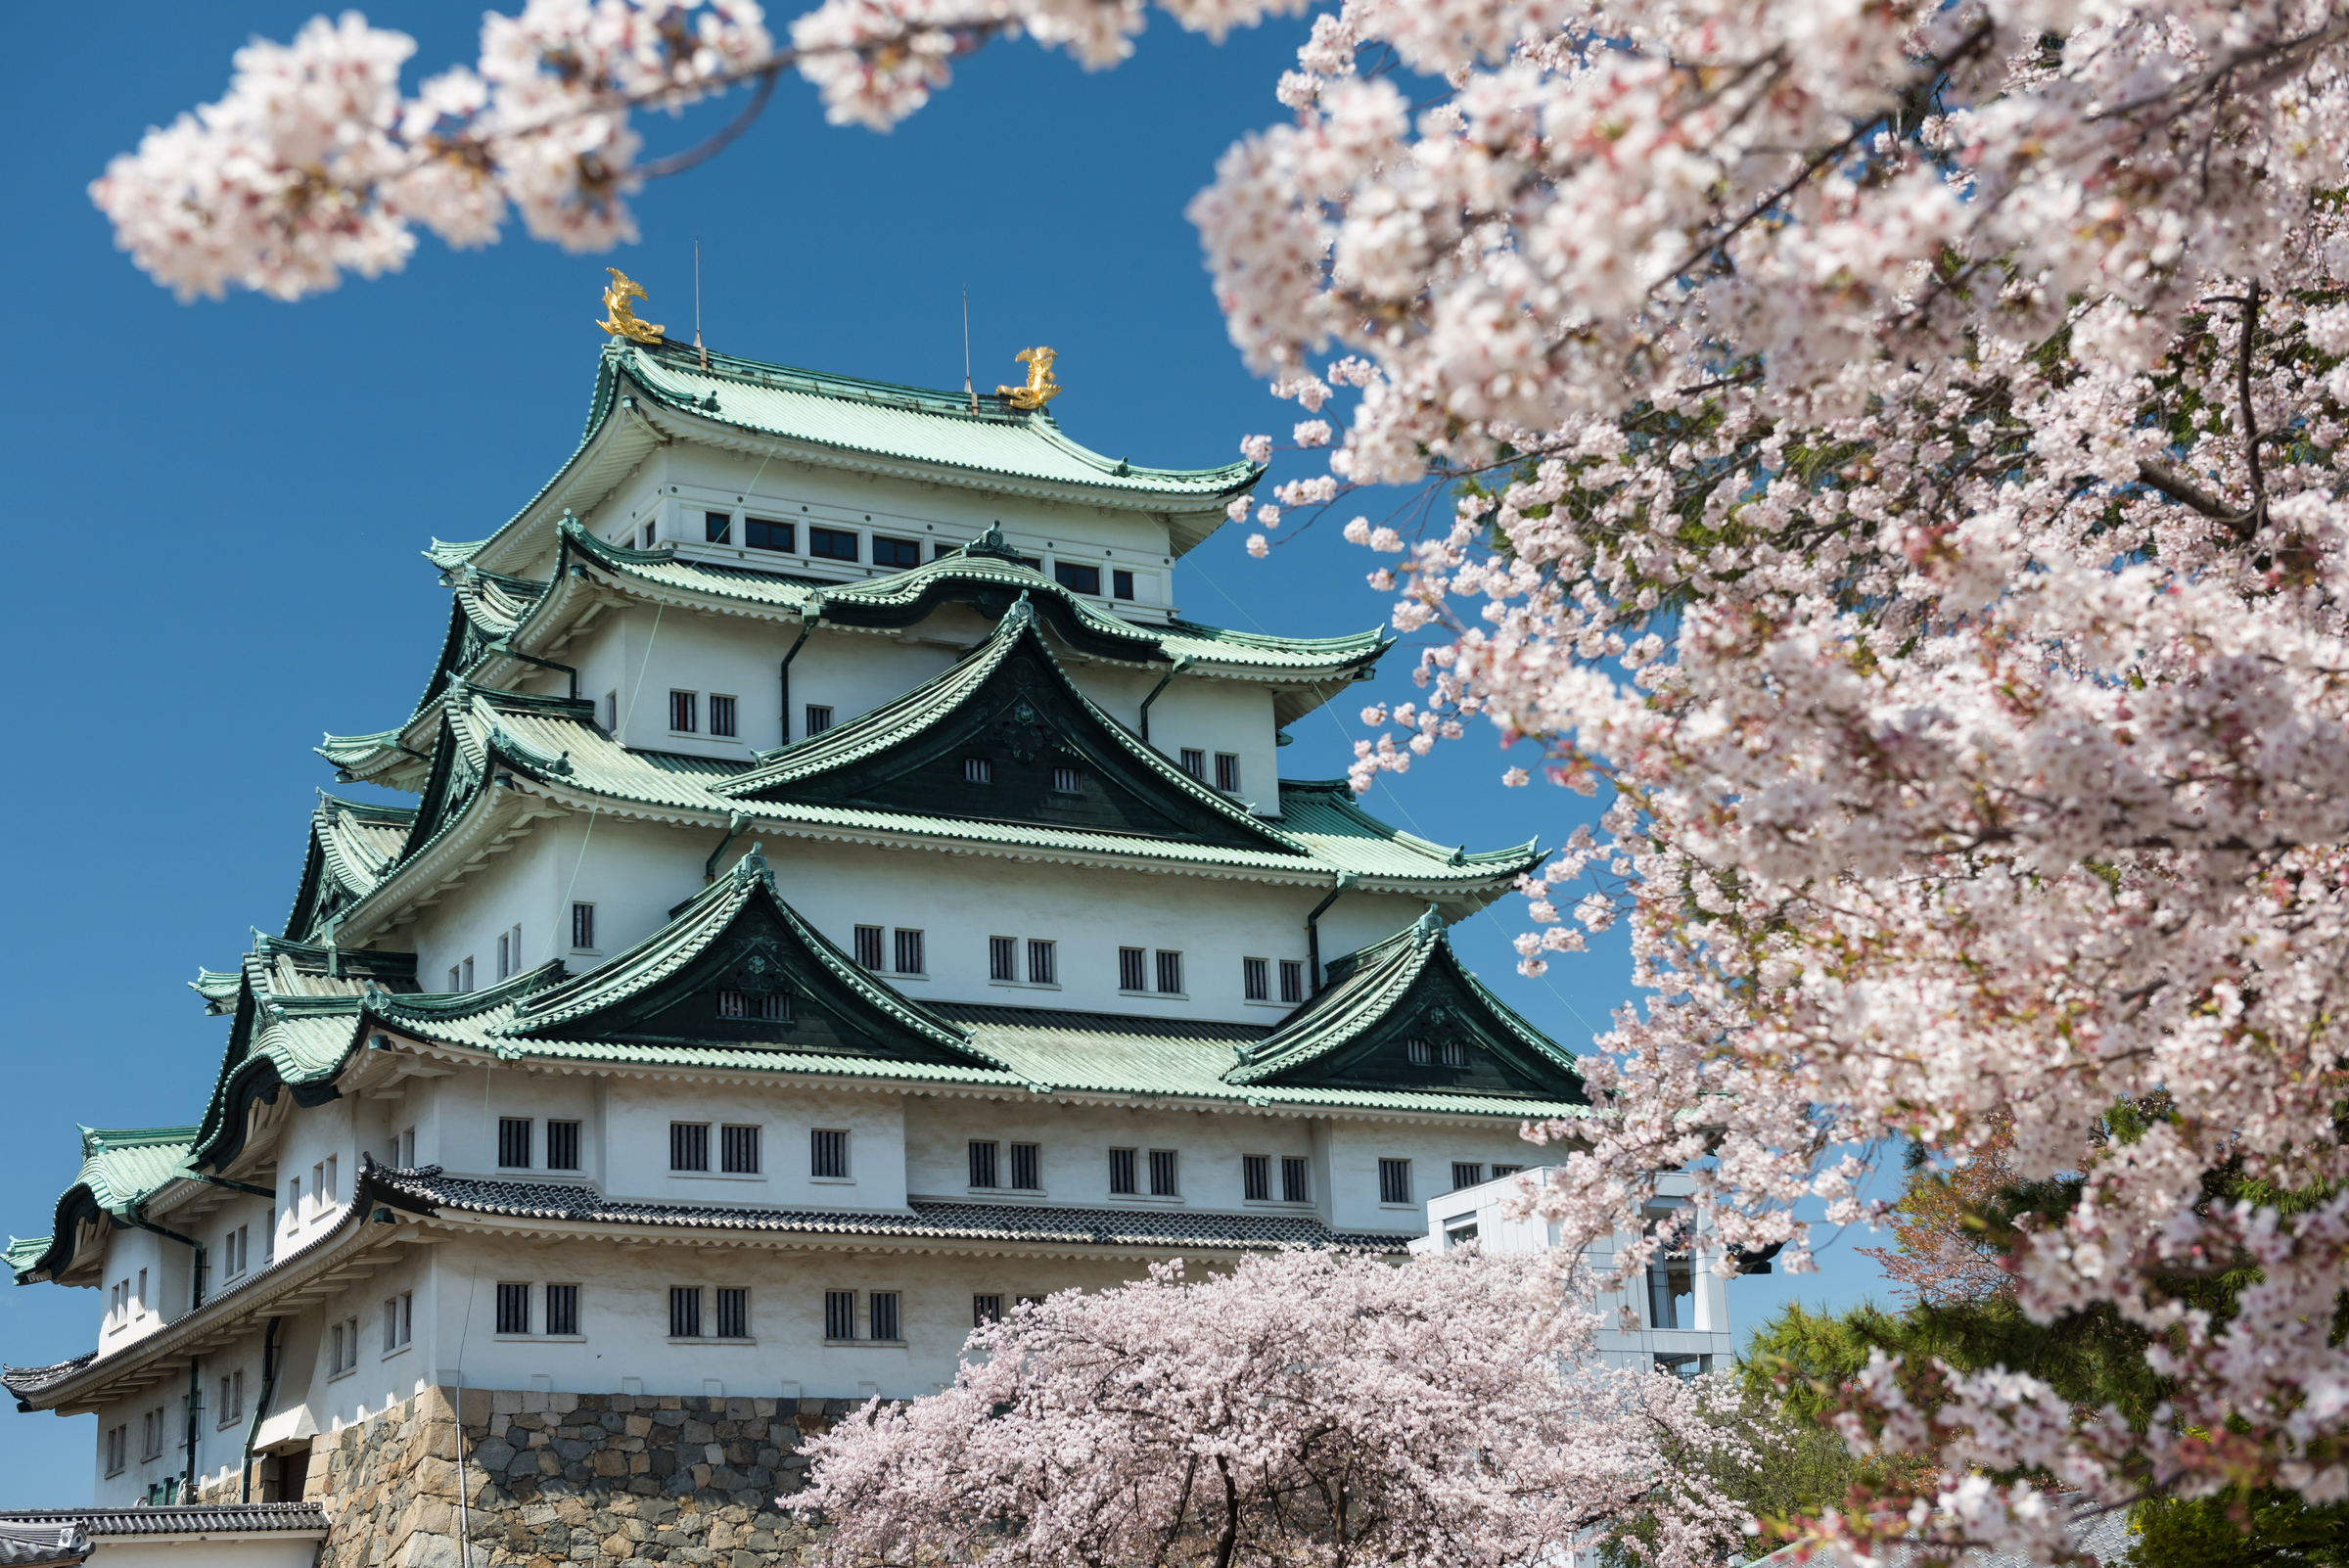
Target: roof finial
[(1040, 387), (619, 318)]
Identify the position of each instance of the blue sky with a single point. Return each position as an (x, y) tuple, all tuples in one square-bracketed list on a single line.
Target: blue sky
[(219, 508)]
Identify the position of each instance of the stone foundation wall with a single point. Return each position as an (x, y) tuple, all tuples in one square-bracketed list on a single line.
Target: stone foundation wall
[(589, 1479)]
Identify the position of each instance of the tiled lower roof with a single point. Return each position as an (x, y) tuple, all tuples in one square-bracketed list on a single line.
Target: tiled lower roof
[(216, 1518), (927, 1219), (33, 1543), (24, 1380)]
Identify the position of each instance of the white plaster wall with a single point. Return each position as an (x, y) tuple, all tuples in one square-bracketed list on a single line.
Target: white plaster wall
[(136, 1551), (130, 1252), (633, 873), (1356, 1148), (516, 886)]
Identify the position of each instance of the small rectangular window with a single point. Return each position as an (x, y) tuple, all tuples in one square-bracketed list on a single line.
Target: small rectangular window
[(1170, 973), (1435, 1054), (1122, 1172), (1121, 585), (563, 1309), (407, 1149), (562, 1145), (468, 984), (1467, 1173), (1068, 781), (456, 980), (840, 1315), (885, 1314), (1227, 773), (399, 1320), (1501, 1170), (717, 527), (978, 770), (738, 1150), (514, 1142), (986, 1310), (684, 712), (1194, 763), (684, 1312), (1027, 1166), (909, 952), (649, 536), (1162, 1173), (1256, 1178), (828, 1154), (689, 1145), (506, 956), (733, 1313), (1255, 980), (1293, 1188), (869, 947), (513, 1308), (722, 715), (1043, 964), (1002, 958), (1292, 981), (760, 534), (1394, 1180), (833, 544), (982, 1164), (819, 718), (582, 926), (612, 713), (891, 552), (1132, 969), (1077, 579)]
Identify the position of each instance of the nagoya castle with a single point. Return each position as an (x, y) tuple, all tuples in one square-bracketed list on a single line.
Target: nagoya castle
[(825, 893)]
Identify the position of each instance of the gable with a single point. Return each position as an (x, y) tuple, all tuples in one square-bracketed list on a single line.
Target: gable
[(1440, 1037)]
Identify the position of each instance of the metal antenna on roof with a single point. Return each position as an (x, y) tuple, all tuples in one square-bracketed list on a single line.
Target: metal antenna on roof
[(697, 302), (966, 349)]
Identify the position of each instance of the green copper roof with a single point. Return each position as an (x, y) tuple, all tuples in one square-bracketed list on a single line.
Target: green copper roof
[(352, 844), (120, 1167)]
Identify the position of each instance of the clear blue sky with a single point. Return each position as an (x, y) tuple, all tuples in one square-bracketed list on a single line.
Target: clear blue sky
[(219, 508)]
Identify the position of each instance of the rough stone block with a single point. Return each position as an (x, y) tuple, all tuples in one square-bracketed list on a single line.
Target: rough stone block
[(473, 1406), (505, 1401)]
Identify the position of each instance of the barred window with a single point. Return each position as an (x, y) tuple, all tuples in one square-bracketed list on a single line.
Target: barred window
[(819, 718), (1068, 781), (982, 1164), (1293, 1189), (1227, 773), (1292, 981), (1501, 1170), (738, 1150), (1170, 971), (1255, 980), (828, 1154), (771, 1008), (1027, 1166), (733, 1313), (514, 1142), (909, 953), (1435, 1054), (513, 1308), (869, 947), (885, 1314), (1002, 958), (684, 1312), (978, 770), (1044, 968), (733, 1004), (840, 1315), (1467, 1173), (722, 715), (1394, 1180), (683, 715), (582, 926), (986, 1310), (1256, 1178), (689, 1145), (1132, 969), (1162, 1173), (1195, 762), (1120, 1172)]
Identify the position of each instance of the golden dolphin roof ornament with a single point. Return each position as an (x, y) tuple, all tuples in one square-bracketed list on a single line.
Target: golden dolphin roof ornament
[(1040, 388), (620, 319)]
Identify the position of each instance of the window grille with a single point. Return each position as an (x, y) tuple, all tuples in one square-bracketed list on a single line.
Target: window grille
[(514, 1142), (513, 1308), (733, 1314), (1068, 781), (1227, 773), (891, 552), (717, 527), (1256, 1178), (738, 1150), (1256, 979), (1077, 579), (722, 715), (1467, 1173), (1002, 958), (1121, 585), (563, 1309), (682, 715), (840, 1315), (1120, 1173), (1501, 1170), (1027, 1166), (689, 1145), (760, 534), (1162, 1173), (1293, 1189), (1435, 1054), (986, 1310), (1292, 981), (833, 544), (684, 1312), (1132, 969), (1195, 762), (1394, 1180), (1170, 971), (733, 1004), (982, 1165), (909, 953), (562, 1145), (885, 1314), (582, 926), (978, 770), (1042, 967), (819, 718), (828, 1154), (869, 947)]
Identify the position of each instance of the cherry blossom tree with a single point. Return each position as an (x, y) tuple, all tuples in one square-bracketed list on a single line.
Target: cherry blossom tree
[(1300, 1409), (1890, 450)]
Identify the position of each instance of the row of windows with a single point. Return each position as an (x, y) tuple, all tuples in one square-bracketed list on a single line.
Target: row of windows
[(1227, 768), (527, 1308), (154, 1428), (516, 1138), (1136, 966), (841, 544)]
